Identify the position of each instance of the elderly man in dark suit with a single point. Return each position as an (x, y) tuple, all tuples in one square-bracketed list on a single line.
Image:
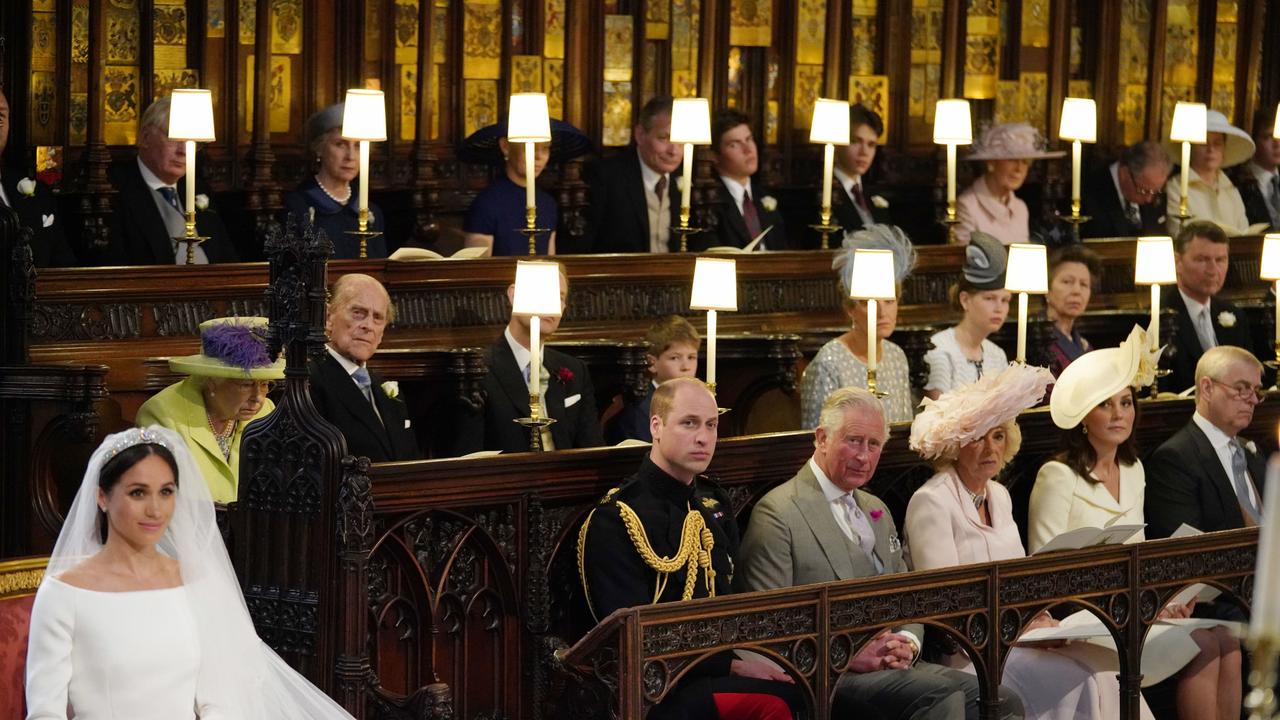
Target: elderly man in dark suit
[(634, 201), (345, 392), (35, 206), (858, 205), (1205, 475), (1204, 320), (742, 210), (151, 191), (567, 394), (820, 526), (1126, 198)]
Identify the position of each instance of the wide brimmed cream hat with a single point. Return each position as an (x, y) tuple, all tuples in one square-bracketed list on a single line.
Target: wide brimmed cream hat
[(1239, 146), (1012, 141), (961, 416), (1098, 374), (231, 347)]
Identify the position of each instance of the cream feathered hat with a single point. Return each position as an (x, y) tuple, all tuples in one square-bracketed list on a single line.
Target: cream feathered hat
[(1099, 374), (967, 413)]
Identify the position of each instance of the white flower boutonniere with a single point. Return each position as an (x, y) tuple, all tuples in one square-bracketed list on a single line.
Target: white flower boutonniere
[(1251, 447), (27, 187), (1227, 319), (768, 203), (879, 202), (392, 389), (202, 202), (680, 183)]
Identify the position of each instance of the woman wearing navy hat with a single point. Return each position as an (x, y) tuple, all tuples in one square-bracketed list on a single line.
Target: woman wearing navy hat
[(326, 198), (498, 212), (962, 354)]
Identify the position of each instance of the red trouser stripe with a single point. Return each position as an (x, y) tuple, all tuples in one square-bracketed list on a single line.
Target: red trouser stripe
[(751, 706)]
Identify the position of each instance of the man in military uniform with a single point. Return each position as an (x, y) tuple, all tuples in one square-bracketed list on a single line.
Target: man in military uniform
[(669, 499)]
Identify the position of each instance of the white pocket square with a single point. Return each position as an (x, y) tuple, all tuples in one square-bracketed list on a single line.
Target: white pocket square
[(407, 423), (572, 400), (48, 220)]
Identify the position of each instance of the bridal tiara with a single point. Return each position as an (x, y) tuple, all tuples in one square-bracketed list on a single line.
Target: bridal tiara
[(135, 436)]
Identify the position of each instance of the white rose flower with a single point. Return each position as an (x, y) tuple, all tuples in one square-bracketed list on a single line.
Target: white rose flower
[(1227, 319), (27, 186), (391, 388), (879, 202), (202, 202), (680, 183), (768, 203)]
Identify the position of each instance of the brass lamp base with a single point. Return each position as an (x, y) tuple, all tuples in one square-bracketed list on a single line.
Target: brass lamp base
[(951, 222), (532, 232), (825, 228), (871, 385), (535, 423), (1155, 383), (685, 231), (1261, 698), (192, 240), (365, 236)]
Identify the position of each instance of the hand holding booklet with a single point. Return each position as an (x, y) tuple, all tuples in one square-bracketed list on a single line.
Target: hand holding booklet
[(1109, 534)]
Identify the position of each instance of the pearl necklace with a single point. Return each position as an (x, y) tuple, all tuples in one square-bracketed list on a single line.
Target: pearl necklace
[(325, 190), (223, 438)]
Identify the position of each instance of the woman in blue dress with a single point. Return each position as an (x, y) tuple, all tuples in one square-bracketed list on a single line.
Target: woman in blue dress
[(327, 198), (498, 212)]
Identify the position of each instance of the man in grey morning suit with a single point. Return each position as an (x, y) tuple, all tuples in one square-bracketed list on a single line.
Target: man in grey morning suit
[(819, 527)]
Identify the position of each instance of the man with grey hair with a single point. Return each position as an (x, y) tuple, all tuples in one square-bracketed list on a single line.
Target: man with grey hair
[(1206, 475), (151, 191), (1126, 198), (820, 526)]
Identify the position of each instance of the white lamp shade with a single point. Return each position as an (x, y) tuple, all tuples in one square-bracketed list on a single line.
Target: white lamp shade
[(691, 121), (1153, 263), (1189, 123), (364, 116), (527, 118), (1028, 269), (191, 115), (1079, 120), (537, 289), (952, 123), (715, 284), (830, 122), (872, 275), (1275, 131), (1270, 257)]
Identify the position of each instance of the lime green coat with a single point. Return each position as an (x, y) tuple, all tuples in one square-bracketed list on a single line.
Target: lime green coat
[(180, 407)]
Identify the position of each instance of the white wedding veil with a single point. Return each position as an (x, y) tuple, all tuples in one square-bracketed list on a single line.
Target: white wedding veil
[(240, 677)]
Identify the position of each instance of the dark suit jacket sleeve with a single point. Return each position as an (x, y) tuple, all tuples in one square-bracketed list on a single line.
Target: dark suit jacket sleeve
[(1172, 495), (587, 432), (615, 573), (764, 560)]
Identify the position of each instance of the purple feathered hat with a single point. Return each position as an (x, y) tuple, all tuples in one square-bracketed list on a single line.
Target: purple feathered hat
[(231, 347)]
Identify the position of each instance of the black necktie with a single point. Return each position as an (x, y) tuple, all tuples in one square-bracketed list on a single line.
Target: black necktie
[(858, 197), (750, 215)]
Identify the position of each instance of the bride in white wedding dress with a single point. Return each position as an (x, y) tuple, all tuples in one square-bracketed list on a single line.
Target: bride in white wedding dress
[(140, 616)]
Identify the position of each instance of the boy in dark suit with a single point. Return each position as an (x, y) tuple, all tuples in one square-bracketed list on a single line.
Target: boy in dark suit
[(742, 210), (673, 352), (567, 394), (853, 205), (375, 423)]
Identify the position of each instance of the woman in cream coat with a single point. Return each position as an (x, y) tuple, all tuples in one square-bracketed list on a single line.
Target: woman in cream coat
[(962, 516), (1098, 478)]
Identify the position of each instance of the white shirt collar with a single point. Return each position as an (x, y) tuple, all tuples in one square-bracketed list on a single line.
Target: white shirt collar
[(829, 489), (347, 363), (1262, 175), (521, 352), (1217, 438), (150, 178), (736, 189), (1115, 178), (648, 175), (1193, 308)]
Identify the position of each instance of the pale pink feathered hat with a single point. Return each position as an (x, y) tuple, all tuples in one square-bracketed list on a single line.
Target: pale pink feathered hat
[(1012, 141), (967, 413)]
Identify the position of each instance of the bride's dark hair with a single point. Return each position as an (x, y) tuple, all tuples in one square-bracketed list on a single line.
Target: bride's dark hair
[(120, 463)]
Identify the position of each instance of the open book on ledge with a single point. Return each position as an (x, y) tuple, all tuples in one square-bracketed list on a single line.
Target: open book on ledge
[(415, 253), (749, 247), (1109, 534)]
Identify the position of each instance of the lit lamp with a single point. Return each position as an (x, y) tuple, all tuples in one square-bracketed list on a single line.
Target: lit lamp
[(364, 118), (528, 122), (952, 126), (1271, 271), (1079, 125), (191, 119), (1263, 635), (873, 279), (1188, 126), (1028, 272), (715, 287), (1153, 265), (537, 295), (830, 126), (690, 125)]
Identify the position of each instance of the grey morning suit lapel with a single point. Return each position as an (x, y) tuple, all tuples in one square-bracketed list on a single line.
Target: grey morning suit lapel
[(881, 528), (816, 511)]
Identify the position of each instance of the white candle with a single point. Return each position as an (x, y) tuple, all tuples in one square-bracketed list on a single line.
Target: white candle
[(1265, 616), (1186, 174), (951, 174), (828, 159), (1022, 327), (364, 176), (871, 334), (191, 177), (1075, 176), (1278, 313), (535, 356), (711, 344), (528, 176), (1155, 316), (686, 190)]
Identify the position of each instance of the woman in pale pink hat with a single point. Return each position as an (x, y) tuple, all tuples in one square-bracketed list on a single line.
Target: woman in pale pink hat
[(1210, 194), (989, 204)]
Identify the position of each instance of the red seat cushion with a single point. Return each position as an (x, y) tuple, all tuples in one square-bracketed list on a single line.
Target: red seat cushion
[(15, 624)]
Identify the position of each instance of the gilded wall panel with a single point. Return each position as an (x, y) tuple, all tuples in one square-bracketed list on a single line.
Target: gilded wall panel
[(44, 98), (163, 81), (649, 64), (286, 27), (247, 21), (372, 36), (657, 19), (1035, 94), (553, 34), (408, 95), (80, 32), (751, 23), (684, 47), (120, 105), (873, 92), (808, 88), (78, 118), (618, 47), (526, 73), (684, 83), (216, 18), (1180, 52), (44, 5), (734, 90), (1135, 39), (1035, 23), (122, 32), (44, 41), (811, 32), (617, 114), (982, 49), (553, 85), (1080, 88), (1224, 58), (480, 98), (482, 40), (440, 32), (280, 94), (862, 45), (169, 18), (925, 74), (1009, 101), (406, 30)]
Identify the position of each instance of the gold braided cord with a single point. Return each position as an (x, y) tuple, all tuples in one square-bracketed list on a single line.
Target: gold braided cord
[(696, 542), (582, 563)]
